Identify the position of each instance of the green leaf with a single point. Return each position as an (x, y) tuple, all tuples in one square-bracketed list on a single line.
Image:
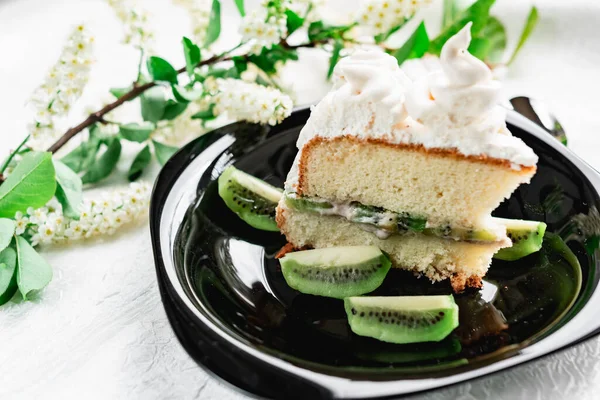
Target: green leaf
[(318, 31), (449, 14), (532, 20), (8, 275), (240, 64), (240, 7), (478, 13), (185, 95), (140, 162), (82, 156), (153, 103), (192, 56), (105, 164), (161, 70), (32, 184), (294, 21), (69, 190), (119, 92), (173, 109), (494, 34), (7, 230), (416, 45), (223, 73), (135, 132), (214, 24), (163, 152), (338, 45), (33, 272), (268, 58), (207, 114), (480, 47)]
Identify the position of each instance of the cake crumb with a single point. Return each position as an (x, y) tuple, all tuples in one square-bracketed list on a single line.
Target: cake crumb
[(288, 248)]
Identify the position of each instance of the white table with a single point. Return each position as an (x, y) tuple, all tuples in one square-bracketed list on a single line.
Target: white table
[(100, 331)]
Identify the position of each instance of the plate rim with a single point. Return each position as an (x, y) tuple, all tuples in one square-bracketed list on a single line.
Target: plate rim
[(174, 173)]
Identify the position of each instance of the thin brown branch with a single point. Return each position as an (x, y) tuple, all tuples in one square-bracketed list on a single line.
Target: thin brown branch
[(98, 115), (136, 90)]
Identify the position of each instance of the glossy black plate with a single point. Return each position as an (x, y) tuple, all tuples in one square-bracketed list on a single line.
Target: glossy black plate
[(231, 309)]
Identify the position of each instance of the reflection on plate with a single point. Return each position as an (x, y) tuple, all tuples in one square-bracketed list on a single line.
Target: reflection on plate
[(222, 280)]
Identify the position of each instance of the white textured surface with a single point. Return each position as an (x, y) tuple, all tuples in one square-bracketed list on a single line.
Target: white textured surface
[(99, 330)]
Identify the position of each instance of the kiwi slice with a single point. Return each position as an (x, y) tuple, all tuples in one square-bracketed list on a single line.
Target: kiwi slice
[(251, 199), (403, 319), (371, 215), (527, 237), (308, 205), (460, 233), (336, 272)]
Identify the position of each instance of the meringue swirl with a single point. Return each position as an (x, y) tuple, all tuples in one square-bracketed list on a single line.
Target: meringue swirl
[(368, 94), (463, 90)]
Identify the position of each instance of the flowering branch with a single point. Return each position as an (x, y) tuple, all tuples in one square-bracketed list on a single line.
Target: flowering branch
[(98, 116)]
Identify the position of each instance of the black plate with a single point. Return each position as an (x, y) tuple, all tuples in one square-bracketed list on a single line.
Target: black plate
[(231, 309)]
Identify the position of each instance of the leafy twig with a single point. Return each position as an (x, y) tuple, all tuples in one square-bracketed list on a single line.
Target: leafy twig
[(98, 116)]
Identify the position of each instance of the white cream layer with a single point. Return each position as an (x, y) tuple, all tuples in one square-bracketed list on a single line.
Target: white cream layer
[(455, 108)]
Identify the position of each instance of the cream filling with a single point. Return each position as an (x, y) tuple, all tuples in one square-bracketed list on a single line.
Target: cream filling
[(383, 223)]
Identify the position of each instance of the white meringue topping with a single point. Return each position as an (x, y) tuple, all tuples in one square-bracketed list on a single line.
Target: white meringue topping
[(452, 108)]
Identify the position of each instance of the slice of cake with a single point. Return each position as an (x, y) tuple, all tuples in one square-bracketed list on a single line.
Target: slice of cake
[(415, 168)]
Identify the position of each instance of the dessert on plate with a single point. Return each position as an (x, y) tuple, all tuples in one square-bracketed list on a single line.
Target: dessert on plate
[(414, 168)]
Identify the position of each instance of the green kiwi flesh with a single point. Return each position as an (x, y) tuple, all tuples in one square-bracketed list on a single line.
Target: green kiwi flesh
[(251, 199), (402, 319), (526, 236), (336, 272)]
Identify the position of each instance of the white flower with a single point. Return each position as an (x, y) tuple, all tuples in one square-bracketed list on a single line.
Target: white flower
[(85, 216), (119, 218), (21, 223), (210, 84), (97, 217), (52, 100), (104, 205), (251, 102), (379, 16), (250, 74), (35, 239), (301, 7), (265, 26), (47, 232), (199, 12), (135, 22), (57, 220), (54, 206), (75, 230), (38, 216)]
